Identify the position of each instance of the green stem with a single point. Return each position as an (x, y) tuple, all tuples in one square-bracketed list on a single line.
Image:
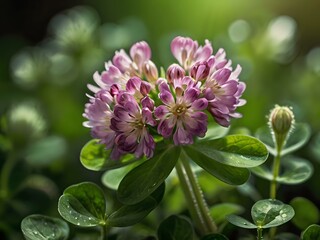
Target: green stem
[(259, 232), (276, 169), (104, 232), (273, 185), (197, 206)]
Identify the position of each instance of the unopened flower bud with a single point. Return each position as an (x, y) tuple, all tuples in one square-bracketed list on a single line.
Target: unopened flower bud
[(281, 121), (200, 70), (175, 72), (150, 71)]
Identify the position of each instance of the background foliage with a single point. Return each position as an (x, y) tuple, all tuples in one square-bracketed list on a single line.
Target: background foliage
[(49, 51)]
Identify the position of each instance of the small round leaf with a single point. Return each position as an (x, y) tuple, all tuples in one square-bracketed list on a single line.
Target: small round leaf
[(311, 233), (83, 205), (299, 136), (40, 227), (306, 213), (175, 227), (296, 170), (240, 222), (268, 213)]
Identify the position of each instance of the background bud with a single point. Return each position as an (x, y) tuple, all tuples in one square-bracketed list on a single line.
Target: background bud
[(281, 121)]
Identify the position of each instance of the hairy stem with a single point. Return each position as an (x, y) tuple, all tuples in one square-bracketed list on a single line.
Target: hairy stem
[(196, 203), (273, 185), (276, 169)]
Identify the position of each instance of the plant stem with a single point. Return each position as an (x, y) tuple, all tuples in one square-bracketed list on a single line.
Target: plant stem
[(259, 232), (273, 185), (196, 203), (104, 232), (276, 169)]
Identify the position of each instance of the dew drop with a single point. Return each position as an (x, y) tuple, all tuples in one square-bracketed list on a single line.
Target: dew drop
[(90, 218), (244, 223), (76, 218), (70, 212), (35, 232), (78, 223), (284, 215)]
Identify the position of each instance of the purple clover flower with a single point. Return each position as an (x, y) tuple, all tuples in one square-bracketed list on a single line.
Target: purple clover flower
[(182, 111), (219, 84), (130, 123), (188, 52), (122, 110), (99, 114)]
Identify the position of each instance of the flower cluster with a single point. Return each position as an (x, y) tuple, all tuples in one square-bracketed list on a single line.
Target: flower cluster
[(132, 101)]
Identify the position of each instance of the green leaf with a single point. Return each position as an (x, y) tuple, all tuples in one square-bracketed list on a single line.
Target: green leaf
[(235, 150), (175, 227), (240, 222), (214, 236), (112, 178), (83, 205), (94, 156), (268, 213), (45, 151), (306, 213), (141, 181), (296, 170), (311, 233), (225, 173), (263, 172), (131, 214), (40, 227), (300, 135), (220, 211)]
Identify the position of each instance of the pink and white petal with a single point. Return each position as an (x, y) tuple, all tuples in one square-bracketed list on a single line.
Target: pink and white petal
[(182, 137), (164, 128), (166, 97), (147, 117), (199, 104), (161, 111)]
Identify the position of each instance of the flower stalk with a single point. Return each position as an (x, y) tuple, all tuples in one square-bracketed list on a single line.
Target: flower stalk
[(196, 203)]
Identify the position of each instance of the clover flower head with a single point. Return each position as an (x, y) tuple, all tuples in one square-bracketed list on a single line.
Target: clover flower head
[(124, 110)]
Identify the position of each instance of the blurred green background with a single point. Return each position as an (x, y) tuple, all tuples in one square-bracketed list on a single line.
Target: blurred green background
[(49, 51)]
